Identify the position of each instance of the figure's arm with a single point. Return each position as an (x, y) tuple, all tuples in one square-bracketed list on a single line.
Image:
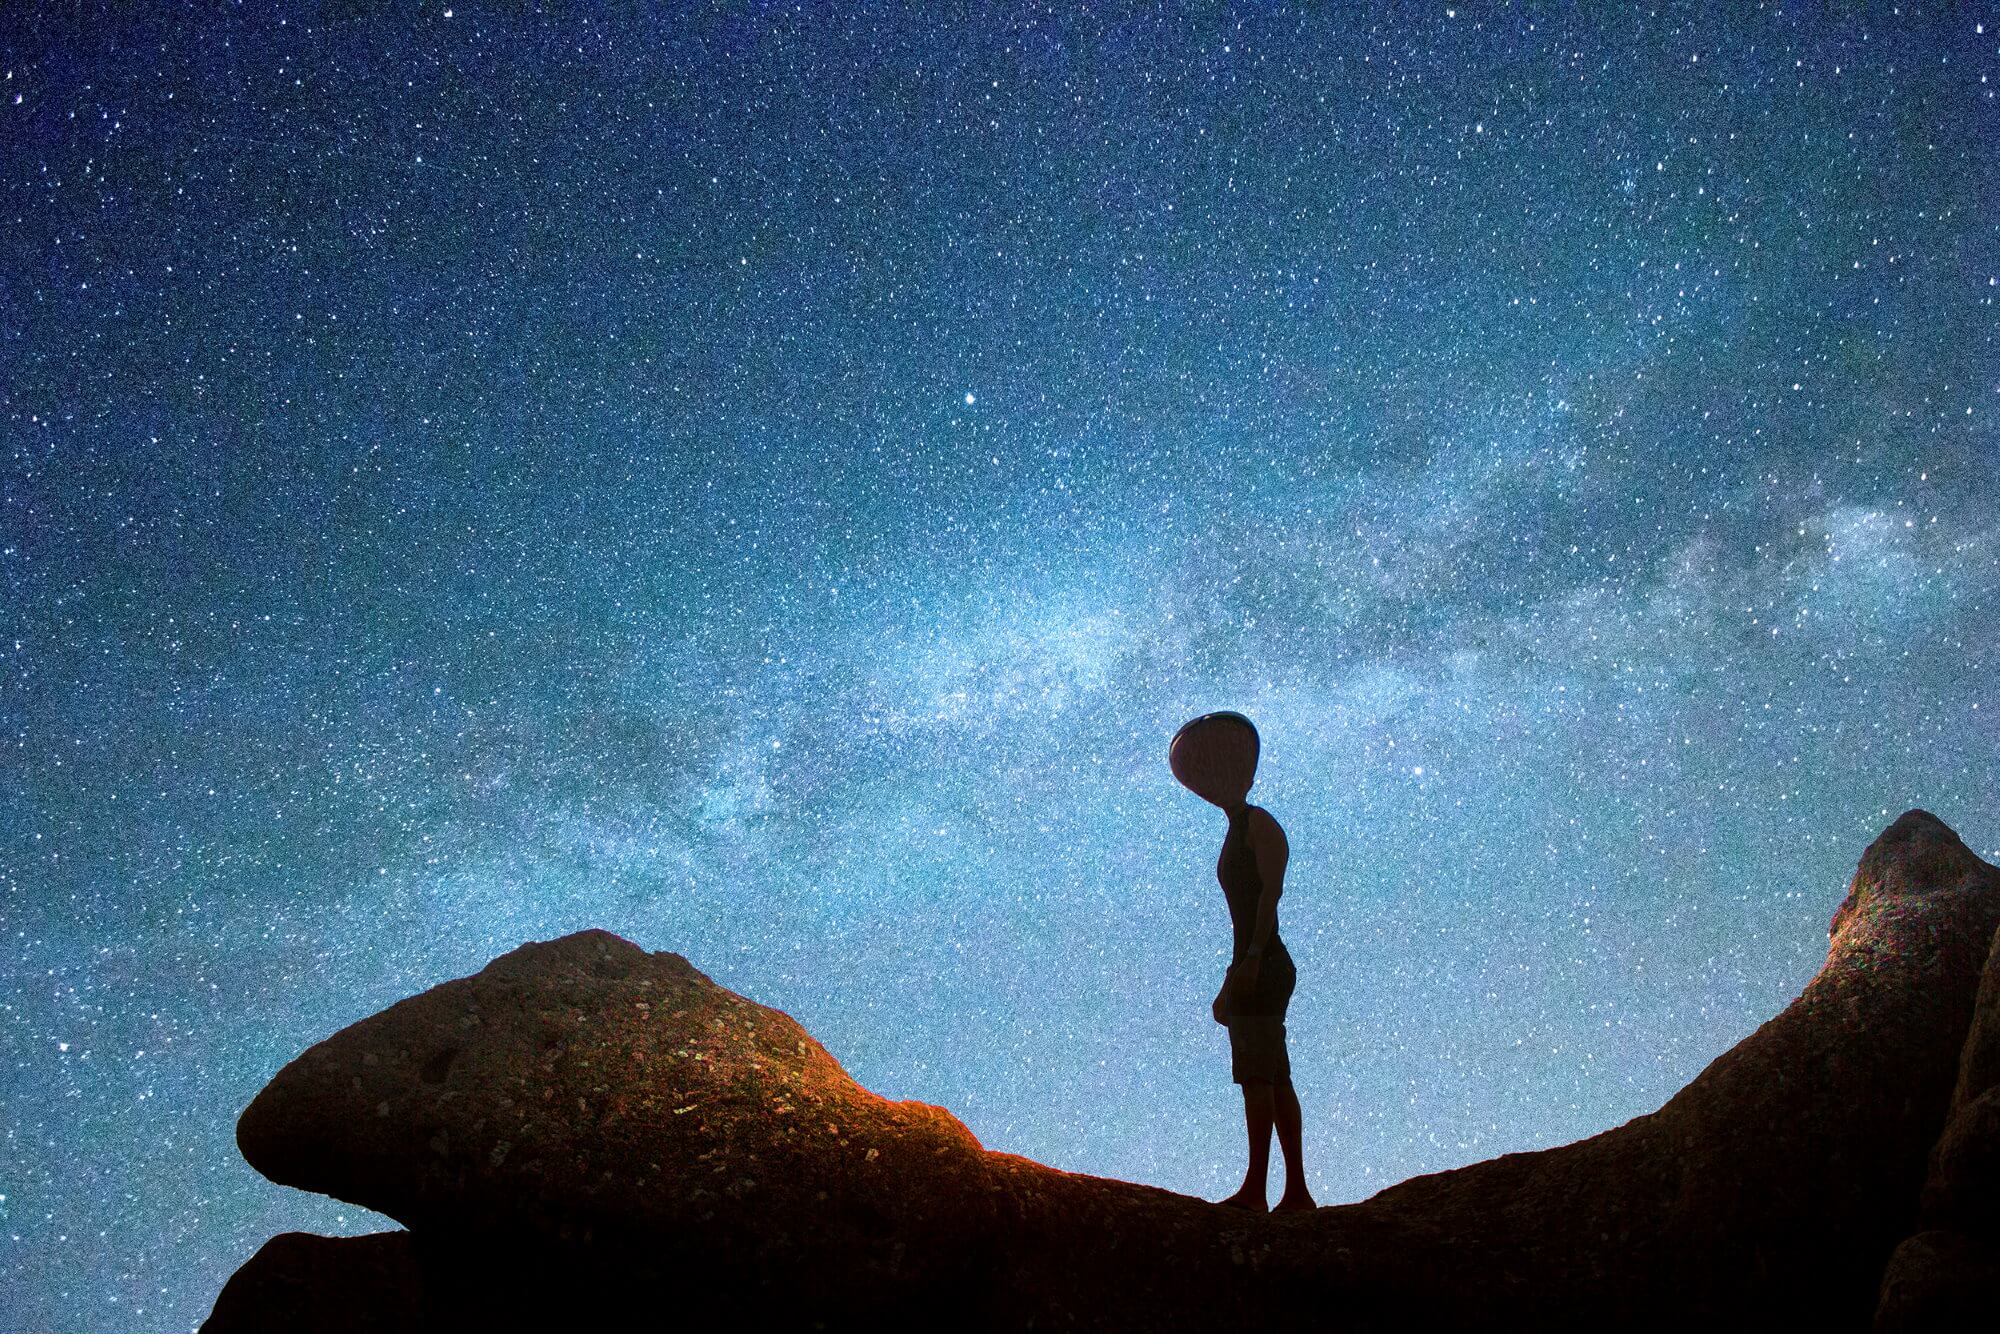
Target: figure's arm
[(1267, 841), (1273, 853)]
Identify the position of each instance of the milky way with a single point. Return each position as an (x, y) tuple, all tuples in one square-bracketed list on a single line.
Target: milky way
[(771, 484)]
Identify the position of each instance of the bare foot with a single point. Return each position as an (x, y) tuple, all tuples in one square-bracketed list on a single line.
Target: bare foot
[(1248, 1200), (1295, 1200)]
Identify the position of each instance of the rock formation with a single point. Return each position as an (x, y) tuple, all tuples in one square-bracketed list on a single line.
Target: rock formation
[(1947, 1276), (584, 1130), (303, 1284)]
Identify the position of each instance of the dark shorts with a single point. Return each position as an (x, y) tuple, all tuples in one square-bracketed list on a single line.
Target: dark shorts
[(1257, 1032), (1257, 1049)]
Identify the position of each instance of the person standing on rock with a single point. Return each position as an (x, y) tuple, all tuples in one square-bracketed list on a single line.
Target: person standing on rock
[(1215, 757)]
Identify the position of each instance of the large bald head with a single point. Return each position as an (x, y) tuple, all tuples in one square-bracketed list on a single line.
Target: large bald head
[(1215, 757)]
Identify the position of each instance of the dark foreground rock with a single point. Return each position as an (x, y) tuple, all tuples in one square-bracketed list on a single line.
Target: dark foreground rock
[(1947, 1277), (1940, 1282), (306, 1284), (586, 1126)]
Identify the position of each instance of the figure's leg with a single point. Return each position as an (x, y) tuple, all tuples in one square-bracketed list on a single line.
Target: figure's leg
[(1291, 1139), (1259, 1110)]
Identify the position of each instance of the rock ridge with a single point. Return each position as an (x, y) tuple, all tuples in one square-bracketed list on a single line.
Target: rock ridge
[(584, 1126)]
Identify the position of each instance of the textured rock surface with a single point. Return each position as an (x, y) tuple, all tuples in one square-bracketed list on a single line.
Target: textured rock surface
[(588, 1092), (1783, 1176), (1940, 1282), (1964, 1186), (663, 1131), (1948, 1276), (1979, 1063), (621, 1117)]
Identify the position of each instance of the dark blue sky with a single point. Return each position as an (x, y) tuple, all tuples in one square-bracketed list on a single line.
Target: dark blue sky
[(770, 483)]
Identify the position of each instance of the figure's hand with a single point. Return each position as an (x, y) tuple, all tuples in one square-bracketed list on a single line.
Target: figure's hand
[(1241, 982), (1220, 1008)]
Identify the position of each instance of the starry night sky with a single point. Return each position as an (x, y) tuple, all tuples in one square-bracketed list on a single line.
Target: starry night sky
[(769, 482)]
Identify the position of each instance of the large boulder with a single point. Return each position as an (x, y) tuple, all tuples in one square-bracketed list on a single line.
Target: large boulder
[(589, 1094), (615, 1114), (583, 1116)]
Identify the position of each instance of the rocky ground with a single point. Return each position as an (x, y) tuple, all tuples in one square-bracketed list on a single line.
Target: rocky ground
[(586, 1131)]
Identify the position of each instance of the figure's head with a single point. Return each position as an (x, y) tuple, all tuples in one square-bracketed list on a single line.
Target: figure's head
[(1215, 757)]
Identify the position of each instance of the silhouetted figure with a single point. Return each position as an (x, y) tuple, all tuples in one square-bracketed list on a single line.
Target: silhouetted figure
[(1215, 757)]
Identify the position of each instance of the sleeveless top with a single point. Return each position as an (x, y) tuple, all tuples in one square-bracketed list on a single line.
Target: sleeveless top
[(1243, 886)]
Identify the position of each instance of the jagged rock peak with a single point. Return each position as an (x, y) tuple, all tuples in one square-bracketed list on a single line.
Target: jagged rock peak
[(1916, 856), (593, 952)]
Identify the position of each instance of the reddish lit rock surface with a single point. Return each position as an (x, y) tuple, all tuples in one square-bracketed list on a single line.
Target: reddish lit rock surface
[(584, 1122)]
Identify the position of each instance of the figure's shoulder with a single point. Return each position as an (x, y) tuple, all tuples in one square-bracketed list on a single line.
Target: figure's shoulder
[(1265, 829)]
